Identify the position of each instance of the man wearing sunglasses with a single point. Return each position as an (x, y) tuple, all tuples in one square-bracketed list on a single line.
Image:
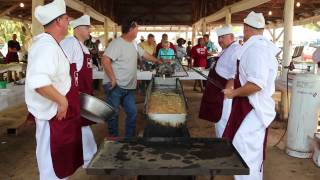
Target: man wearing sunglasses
[(120, 66)]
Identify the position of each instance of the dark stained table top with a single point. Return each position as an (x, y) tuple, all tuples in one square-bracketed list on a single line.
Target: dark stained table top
[(167, 156)]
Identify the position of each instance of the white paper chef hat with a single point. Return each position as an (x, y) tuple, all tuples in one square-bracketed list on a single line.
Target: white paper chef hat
[(255, 20), (51, 11), (81, 21), (224, 30)]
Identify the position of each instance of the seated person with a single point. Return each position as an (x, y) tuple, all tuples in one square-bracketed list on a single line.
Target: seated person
[(159, 46), (166, 53)]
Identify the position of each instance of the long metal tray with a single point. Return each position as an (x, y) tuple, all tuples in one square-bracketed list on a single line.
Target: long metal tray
[(167, 156), (166, 84)]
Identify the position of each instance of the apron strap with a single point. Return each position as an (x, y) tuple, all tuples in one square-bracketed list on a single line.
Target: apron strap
[(80, 45), (238, 72), (59, 46)]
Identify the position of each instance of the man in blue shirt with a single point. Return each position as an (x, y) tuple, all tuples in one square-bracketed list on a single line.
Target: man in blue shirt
[(212, 49)]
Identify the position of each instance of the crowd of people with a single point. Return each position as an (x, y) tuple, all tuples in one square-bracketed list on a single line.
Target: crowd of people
[(199, 55), (60, 68)]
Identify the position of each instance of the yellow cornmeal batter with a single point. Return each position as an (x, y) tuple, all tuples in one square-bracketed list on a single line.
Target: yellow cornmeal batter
[(166, 103)]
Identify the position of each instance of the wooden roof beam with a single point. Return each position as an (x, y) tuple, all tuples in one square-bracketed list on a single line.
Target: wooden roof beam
[(313, 19), (16, 19), (84, 8), (234, 8), (13, 7)]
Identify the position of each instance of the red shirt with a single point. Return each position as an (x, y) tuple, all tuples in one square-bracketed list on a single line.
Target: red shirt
[(199, 54), (159, 46)]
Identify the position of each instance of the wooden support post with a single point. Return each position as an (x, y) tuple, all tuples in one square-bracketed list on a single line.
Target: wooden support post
[(228, 17), (106, 32), (36, 27), (287, 48), (115, 31), (287, 41), (204, 27), (193, 34)]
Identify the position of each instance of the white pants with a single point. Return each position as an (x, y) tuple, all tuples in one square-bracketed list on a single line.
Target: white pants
[(221, 124), (89, 145), (43, 151), (249, 143)]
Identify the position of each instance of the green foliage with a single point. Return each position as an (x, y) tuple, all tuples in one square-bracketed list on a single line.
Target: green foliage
[(315, 27), (237, 29), (70, 31), (7, 28)]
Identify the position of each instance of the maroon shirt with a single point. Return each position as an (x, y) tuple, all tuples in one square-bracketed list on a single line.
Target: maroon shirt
[(199, 54)]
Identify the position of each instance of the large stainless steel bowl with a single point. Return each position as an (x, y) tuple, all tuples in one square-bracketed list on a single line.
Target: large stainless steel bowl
[(95, 109)]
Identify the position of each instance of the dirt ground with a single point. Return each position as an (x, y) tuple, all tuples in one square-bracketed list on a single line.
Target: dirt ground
[(17, 152)]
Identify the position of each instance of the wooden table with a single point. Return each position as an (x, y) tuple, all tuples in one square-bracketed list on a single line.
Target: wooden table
[(147, 75), (12, 96)]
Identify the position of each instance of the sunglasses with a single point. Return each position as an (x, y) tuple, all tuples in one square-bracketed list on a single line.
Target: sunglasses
[(133, 24)]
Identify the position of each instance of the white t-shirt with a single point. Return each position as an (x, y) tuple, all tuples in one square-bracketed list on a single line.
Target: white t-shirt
[(181, 52), (227, 63), (47, 65), (124, 56), (73, 50), (258, 65)]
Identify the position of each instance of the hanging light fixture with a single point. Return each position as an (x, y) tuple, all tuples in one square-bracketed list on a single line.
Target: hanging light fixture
[(21, 5), (270, 13), (298, 4)]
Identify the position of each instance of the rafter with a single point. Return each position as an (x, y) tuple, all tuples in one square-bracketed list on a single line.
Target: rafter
[(9, 10)]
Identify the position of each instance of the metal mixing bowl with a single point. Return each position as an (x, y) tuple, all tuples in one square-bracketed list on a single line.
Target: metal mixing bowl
[(95, 109)]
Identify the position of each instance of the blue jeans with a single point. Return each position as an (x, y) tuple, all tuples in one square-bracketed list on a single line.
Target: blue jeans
[(124, 97)]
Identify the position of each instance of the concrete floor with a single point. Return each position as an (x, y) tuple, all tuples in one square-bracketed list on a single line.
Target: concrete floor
[(17, 152)]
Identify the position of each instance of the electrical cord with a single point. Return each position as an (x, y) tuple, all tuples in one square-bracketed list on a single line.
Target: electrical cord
[(286, 129)]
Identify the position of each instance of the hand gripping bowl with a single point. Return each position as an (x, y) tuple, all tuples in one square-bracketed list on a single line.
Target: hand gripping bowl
[(95, 109)]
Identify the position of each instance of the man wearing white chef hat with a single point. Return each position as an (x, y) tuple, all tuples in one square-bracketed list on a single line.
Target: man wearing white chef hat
[(253, 108), (52, 97), (79, 54), (213, 105)]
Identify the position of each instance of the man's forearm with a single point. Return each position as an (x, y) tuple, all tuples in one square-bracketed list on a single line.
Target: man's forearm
[(106, 63), (51, 93), (246, 90), (229, 84), (150, 57)]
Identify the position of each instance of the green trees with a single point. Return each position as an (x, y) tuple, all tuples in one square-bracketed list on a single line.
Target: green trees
[(7, 28)]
